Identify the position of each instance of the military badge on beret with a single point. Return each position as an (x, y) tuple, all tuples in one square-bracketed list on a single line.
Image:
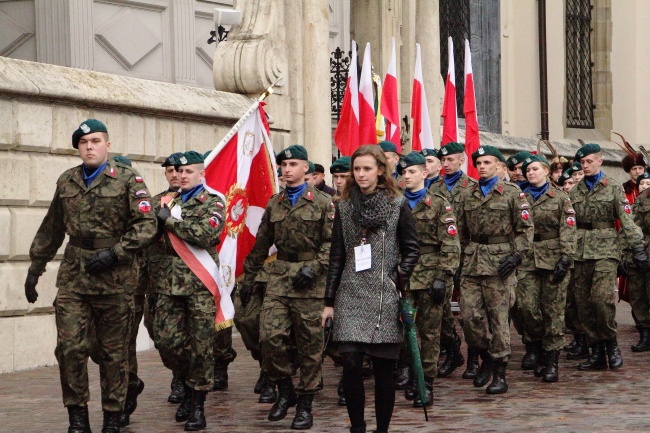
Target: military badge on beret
[(481, 151), (402, 163), (85, 128), (287, 153), (183, 160), (444, 151)]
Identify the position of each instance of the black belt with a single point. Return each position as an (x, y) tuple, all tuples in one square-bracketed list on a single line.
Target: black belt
[(487, 240), (428, 249), (595, 225), (553, 234), (92, 243), (296, 257)]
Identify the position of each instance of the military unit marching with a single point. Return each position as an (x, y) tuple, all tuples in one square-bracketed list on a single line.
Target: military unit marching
[(536, 243)]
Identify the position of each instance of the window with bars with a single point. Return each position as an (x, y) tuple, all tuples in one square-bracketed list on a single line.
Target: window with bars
[(454, 22), (580, 104)]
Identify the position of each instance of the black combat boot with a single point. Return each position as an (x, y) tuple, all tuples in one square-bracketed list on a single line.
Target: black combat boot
[(409, 391), (541, 364), (303, 419), (597, 360), (499, 384), (178, 391), (403, 377), (341, 394), (454, 358), (196, 421), (581, 349), (613, 354), (472, 364), (131, 403), (286, 399), (268, 393), (78, 416), (220, 376), (359, 429), (551, 370), (428, 390), (484, 371), (111, 422), (644, 341), (571, 346), (260, 383), (531, 358), (184, 409)]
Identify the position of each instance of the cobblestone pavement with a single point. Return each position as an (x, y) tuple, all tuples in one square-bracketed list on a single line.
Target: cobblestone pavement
[(608, 401)]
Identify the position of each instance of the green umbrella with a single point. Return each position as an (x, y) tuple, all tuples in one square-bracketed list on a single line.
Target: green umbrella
[(408, 318)]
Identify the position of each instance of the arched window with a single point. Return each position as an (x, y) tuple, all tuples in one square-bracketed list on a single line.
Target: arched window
[(579, 95)]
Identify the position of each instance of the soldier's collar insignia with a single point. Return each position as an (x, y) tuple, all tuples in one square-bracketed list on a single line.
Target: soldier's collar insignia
[(604, 181), (465, 183), (551, 192), (112, 172), (500, 189), (427, 201), (309, 196), (202, 198)]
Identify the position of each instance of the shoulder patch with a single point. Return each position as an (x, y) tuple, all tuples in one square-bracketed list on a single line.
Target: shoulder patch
[(448, 208), (522, 195), (571, 221), (449, 220), (570, 210), (139, 179), (627, 208), (525, 215), (144, 206), (452, 230), (524, 205), (141, 192)]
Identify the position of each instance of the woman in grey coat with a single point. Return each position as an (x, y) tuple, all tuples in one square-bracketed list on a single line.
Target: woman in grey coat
[(373, 252)]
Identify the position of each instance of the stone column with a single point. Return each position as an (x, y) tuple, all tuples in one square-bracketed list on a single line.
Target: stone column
[(316, 81), (81, 33), (183, 41)]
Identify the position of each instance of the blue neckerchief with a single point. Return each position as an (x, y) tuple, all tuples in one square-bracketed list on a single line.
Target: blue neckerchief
[(430, 181), (537, 191), (89, 175), (591, 181), (186, 195), (451, 179), (523, 184), (487, 185), (295, 192), (414, 197)]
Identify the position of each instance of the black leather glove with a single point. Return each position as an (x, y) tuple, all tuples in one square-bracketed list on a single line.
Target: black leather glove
[(561, 269), (163, 213), (30, 287), (457, 278), (639, 257), (508, 264), (101, 261), (245, 292), (621, 270), (303, 278), (437, 291)]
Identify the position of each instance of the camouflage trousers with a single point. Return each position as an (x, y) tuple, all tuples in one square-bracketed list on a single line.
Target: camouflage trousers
[(247, 321), (184, 331), (97, 325), (280, 316), (149, 308), (485, 303), (138, 311), (595, 293), (639, 296), (571, 318), (428, 322), (541, 304), (222, 351)]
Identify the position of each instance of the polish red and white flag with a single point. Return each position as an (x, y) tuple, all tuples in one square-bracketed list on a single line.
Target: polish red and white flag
[(346, 135), (472, 142), (389, 106), (367, 124), (421, 136), (449, 109)]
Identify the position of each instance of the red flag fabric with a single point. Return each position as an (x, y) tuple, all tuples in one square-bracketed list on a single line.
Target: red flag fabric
[(242, 170), (472, 142), (389, 106), (421, 136), (346, 135), (367, 125), (450, 119)]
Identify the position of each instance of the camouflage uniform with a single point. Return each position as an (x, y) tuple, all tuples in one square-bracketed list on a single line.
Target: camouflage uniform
[(598, 251), (540, 301), (185, 308), (439, 258), (114, 211), (637, 284), (491, 228), (138, 312), (302, 235)]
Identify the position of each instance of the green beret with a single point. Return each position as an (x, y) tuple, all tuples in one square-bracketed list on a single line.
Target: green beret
[(644, 176), (517, 158), (566, 174), (312, 167), (413, 158), (534, 158), (451, 148), (576, 166), (122, 160), (294, 151), (189, 158), (172, 159), (487, 151), (387, 146), (206, 154), (429, 152), (87, 127), (341, 165), (587, 149)]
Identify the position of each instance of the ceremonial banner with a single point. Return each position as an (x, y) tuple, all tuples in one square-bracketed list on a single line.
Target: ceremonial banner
[(367, 126), (472, 142), (421, 136), (346, 135), (449, 110), (389, 106)]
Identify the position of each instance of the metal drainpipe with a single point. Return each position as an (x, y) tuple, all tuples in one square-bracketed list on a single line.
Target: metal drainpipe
[(543, 77)]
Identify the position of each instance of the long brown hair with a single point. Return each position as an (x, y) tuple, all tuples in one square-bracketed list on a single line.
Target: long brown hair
[(385, 181)]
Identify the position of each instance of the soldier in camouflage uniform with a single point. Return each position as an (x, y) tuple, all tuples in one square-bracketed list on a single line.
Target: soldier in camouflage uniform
[(452, 185), (392, 157), (496, 229), (298, 222), (105, 208), (185, 308), (638, 281), (599, 201), (432, 279), (542, 277)]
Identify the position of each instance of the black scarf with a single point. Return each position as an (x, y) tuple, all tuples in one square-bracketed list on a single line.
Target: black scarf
[(370, 211)]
